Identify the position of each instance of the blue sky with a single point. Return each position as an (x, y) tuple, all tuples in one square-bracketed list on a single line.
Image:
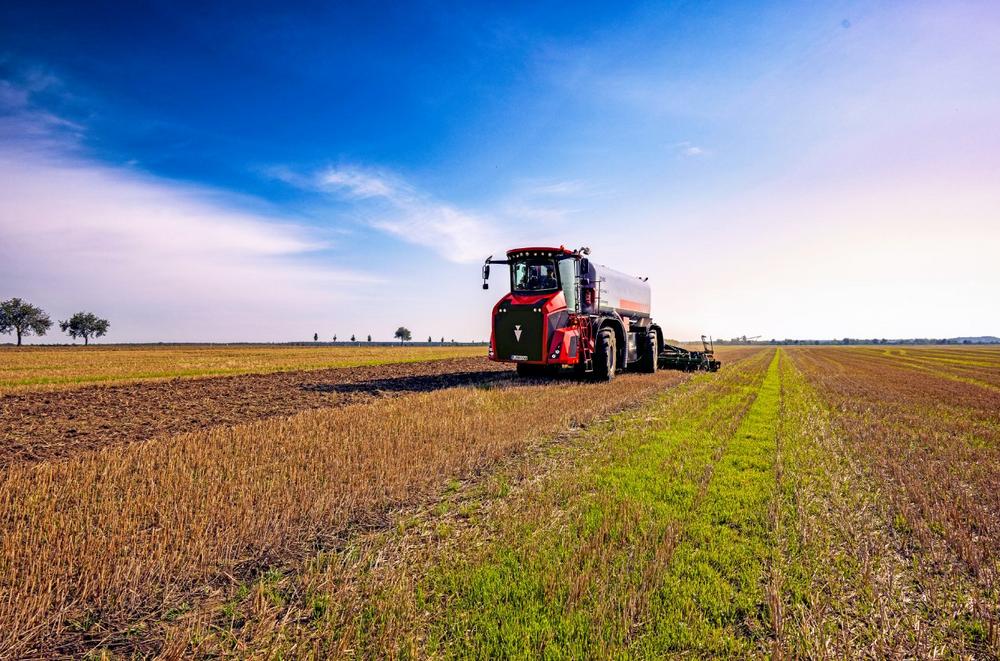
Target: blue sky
[(783, 169)]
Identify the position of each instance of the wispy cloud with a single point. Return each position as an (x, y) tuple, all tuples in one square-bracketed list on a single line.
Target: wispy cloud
[(26, 124), (455, 234), (557, 188), (394, 206), (361, 184), (690, 150), (549, 203), (149, 250), (528, 212)]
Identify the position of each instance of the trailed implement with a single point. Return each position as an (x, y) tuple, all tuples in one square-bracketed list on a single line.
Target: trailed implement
[(678, 358)]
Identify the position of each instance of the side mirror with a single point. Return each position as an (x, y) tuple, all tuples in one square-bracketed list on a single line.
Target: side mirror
[(486, 272)]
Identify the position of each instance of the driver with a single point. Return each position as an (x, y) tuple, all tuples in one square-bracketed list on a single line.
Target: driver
[(548, 280), (540, 277), (534, 279)]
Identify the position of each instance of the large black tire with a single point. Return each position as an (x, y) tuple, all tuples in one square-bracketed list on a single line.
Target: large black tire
[(649, 358), (605, 356)]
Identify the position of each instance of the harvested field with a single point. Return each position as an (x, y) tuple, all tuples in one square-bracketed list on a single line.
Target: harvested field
[(36, 426), (927, 423), (820, 502), (56, 368), (738, 515), (94, 547)]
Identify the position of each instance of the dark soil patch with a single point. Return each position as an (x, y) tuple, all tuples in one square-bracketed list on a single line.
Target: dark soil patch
[(38, 426)]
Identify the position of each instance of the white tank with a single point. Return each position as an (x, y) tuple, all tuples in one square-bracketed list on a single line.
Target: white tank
[(625, 294)]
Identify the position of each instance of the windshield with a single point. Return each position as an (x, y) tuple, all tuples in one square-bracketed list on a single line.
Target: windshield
[(536, 274)]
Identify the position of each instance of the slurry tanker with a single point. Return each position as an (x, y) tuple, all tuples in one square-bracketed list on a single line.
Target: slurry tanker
[(565, 310)]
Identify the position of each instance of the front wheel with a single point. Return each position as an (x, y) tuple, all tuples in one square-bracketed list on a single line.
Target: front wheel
[(605, 356)]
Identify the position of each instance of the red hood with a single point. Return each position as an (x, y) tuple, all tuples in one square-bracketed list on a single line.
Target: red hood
[(548, 302)]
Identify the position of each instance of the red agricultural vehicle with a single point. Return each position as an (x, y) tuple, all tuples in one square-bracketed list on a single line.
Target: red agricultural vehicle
[(564, 310)]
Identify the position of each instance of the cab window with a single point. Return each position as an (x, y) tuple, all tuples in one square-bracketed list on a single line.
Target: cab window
[(567, 276), (537, 274)]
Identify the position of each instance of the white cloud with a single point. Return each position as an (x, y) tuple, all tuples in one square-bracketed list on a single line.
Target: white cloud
[(457, 235), (557, 188), (22, 124), (362, 184), (150, 254), (690, 150), (393, 206)]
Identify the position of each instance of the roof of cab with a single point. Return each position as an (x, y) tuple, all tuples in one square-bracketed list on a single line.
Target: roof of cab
[(561, 249)]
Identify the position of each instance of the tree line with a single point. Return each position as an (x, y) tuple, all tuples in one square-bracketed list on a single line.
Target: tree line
[(24, 319), (402, 334)]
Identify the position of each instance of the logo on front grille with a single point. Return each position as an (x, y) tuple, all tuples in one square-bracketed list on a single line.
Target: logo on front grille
[(517, 333)]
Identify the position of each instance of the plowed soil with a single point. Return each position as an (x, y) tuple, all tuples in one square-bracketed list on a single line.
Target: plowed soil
[(39, 426)]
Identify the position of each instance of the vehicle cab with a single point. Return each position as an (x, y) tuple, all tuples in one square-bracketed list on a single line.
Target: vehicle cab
[(537, 321)]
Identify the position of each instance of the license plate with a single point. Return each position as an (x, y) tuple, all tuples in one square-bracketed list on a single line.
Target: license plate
[(519, 358)]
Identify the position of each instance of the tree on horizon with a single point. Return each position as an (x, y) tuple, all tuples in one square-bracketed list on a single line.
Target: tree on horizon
[(403, 334), (85, 325), (23, 318)]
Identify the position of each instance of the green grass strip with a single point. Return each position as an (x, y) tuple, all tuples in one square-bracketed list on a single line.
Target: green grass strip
[(711, 600), (661, 550)]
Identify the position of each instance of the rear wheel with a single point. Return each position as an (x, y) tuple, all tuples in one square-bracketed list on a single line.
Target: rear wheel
[(647, 363), (605, 356)]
